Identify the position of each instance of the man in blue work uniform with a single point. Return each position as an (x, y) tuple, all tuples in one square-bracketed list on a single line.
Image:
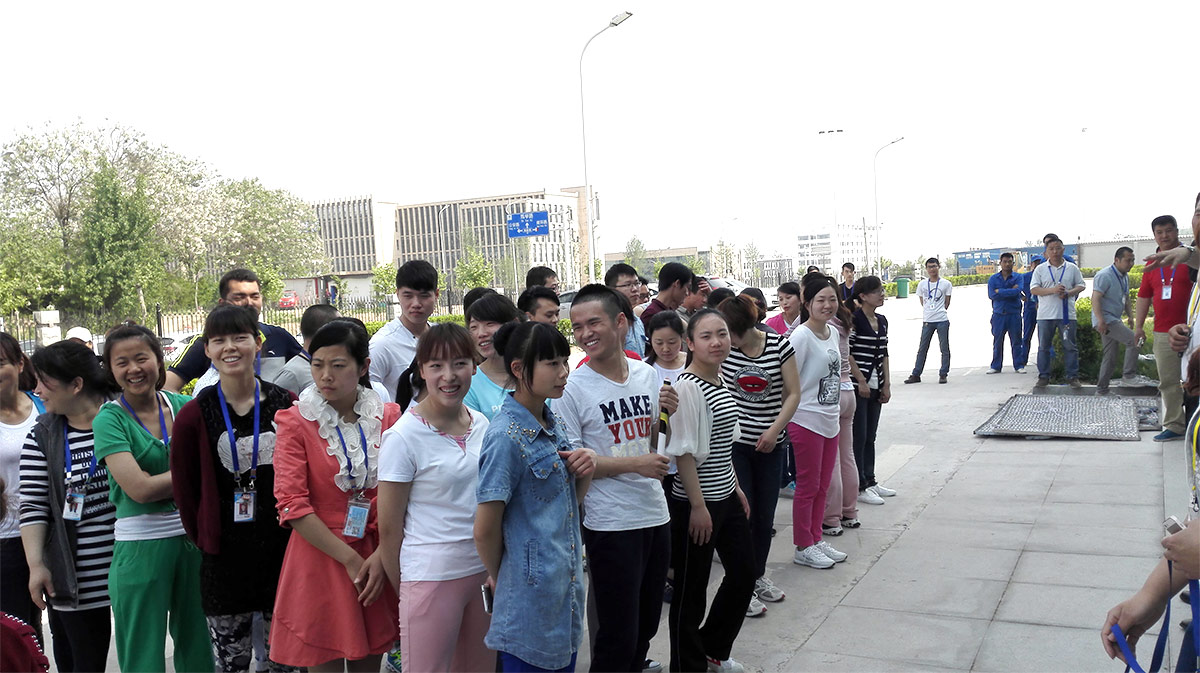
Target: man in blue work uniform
[(1004, 289), (1029, 317)]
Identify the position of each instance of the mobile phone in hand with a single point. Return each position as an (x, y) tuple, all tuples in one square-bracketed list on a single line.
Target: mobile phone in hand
[(487, 598), (1172, 525)]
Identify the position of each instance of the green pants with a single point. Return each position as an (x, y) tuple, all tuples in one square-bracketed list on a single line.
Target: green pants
[(154, 583)]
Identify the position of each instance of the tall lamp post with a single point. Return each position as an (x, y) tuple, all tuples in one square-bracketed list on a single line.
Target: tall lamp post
[(587, 189), (875, 171)]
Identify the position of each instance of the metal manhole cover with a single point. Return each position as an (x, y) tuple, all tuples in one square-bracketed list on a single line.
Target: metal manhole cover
[(1084, 417)]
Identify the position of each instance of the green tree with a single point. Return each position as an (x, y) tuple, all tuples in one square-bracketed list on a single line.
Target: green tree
[(383, 280), (635, 254), (724, 258), (473, 268), (116, 250), (751, 255), (695, 264), (658, 265)]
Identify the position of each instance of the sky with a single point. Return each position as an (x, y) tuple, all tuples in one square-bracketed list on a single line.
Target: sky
[(703, 118)]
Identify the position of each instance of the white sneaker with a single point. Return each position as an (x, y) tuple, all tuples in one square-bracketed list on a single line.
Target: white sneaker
[(766, 590), (755, 608), (833, 554), (813, 557), (869, 497), (727, 666), (883, 491)]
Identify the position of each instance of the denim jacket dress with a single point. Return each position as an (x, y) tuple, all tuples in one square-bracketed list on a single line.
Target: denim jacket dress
[(538, 611)]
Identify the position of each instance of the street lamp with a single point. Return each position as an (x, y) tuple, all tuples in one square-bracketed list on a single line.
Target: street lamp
[(875, 171), (587, 190)]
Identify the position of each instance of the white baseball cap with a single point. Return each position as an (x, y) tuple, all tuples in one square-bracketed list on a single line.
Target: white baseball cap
[(80, 333)]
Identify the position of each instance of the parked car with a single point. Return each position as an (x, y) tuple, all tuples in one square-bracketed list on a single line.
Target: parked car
[(564, 304), (289, 299)]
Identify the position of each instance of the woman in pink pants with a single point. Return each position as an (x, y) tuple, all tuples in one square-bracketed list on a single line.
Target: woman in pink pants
[(814, 427), (841, 503)]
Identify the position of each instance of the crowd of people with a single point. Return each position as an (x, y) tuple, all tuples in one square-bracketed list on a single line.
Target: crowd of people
[(342, 503)]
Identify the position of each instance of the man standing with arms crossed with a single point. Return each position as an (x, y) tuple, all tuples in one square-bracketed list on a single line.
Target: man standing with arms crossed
[(934, 293), (1004, 289), (1168, 290), (1056, 283), (611, 404), (1110, 301)]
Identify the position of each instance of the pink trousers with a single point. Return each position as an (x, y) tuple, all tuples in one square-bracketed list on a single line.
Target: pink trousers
[(816, 457), (442, 625), (842, 500)]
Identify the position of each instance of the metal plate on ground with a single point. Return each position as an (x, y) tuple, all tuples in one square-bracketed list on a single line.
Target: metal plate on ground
[(1079, 417), (1147, 411)]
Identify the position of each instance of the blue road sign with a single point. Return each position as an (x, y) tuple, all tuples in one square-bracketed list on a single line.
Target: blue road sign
[(529, 224)]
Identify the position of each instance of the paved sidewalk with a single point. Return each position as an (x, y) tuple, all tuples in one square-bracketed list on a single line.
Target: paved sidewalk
[(997, 554)]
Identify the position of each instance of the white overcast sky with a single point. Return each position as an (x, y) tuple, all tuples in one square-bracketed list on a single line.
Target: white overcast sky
[(698, 112)]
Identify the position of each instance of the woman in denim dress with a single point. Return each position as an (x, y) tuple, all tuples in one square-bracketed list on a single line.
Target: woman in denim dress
[(527, 523)]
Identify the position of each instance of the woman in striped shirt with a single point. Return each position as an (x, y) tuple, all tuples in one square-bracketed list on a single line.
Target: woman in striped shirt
[(66, 517), (709, 512), (766, 386), (868, 349)]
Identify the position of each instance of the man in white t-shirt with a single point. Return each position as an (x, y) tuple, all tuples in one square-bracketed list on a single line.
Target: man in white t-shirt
[(395, 344), (611, 405), (934, 293), (1057, 284)]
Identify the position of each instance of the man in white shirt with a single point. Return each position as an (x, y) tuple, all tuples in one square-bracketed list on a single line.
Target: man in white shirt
[(395, 344), (1056, 283), (934, 293), (611, 405)]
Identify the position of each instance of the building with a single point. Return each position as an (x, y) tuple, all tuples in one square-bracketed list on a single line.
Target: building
[(663, 256), (1087, 254), (358, 234), (815, 249), (857, 244), (773, 272), (440, 232), (1098, 254)]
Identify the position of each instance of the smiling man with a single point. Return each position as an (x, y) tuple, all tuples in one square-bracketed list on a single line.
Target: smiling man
[(239, 287), (611, 405), (395, 344)]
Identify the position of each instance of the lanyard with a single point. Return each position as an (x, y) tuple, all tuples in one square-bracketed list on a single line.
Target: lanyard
[(846, 292), (1066, 318), (1123, 279), (366, 456), (162, 421), (1160, 646), (933, 287), (233, 450), (1163, 278), (1194, 304), (67, 459), (1195, 465)]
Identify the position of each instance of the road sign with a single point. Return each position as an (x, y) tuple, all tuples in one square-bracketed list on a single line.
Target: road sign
[(529, 224)]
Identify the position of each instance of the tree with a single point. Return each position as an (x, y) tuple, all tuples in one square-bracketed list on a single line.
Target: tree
[(658, 265), (383, 279), (635, 254), (696, 265), (116, 249), (724, 258), (473, 269), (751, 254)]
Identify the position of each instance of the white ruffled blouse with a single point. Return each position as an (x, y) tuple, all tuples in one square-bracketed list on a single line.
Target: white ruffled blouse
[(369, 408)]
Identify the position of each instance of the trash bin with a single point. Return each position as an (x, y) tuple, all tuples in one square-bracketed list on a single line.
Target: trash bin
[(901, 288)]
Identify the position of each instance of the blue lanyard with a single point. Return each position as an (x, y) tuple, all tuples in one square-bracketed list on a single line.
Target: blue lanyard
[(67, 457), (162, 420), (933, 287), (1164, 278), (1124, 279), (1066, 318), (233, 451), (1161, 646), (366, 456)]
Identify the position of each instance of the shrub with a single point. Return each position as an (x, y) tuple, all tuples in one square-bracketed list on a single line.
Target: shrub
[(1087, 342)]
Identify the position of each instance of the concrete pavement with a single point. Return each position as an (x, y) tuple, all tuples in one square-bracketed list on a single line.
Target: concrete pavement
[(997, 555)]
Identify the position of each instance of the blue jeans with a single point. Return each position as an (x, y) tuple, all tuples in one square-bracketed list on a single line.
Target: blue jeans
[(943, 331), (1028, 324), (1046, 330), (1009, 324), (510, 663)]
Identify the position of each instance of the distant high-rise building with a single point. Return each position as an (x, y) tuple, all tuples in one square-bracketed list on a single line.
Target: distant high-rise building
[(357, 233), (814, 249)]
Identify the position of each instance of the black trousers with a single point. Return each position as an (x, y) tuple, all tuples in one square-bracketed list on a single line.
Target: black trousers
[(14, 585), (866, 426), (81, 638), (731, 539), (629, 571), (757, 474)]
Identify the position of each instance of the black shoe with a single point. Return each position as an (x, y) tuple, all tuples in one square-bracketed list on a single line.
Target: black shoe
[(941, 379), (913, 379)]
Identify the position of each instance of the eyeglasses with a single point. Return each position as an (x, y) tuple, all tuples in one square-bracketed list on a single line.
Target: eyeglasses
[(622, 286)]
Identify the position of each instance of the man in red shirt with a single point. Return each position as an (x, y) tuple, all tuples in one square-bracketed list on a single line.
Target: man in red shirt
[(1169, 290)]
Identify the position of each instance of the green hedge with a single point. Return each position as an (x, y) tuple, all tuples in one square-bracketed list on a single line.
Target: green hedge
[(1087, 341), (564, 326)]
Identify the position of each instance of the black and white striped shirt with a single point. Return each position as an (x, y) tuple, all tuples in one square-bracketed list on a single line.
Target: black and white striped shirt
[(717, 480), (869, 348), (94, 532), (757, 385)]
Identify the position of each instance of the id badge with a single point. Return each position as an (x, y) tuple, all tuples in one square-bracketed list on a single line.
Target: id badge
[(74, 507), (356, 517), (243, 506), (1166, 292)]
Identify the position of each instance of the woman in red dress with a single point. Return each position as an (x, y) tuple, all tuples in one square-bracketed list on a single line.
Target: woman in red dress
[(335, 609)]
